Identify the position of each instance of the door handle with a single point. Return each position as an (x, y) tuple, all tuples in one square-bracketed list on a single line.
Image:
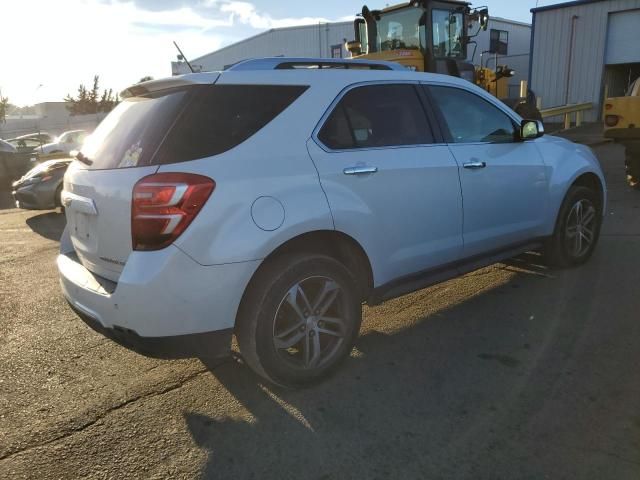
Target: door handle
[(474, 164), (359, 170)]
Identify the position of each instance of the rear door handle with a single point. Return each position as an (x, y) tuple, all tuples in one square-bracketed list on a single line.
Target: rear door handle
[(359, 170), (474, 164)]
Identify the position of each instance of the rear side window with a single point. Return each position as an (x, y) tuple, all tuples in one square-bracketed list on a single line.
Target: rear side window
[(184, 124), (220, 117), (377, 116)]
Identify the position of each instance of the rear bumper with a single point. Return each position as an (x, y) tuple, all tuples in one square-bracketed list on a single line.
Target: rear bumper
[(164, 303), (215, 344)]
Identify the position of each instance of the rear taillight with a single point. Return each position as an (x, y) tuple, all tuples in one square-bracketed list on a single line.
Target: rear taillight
[(164, 205), (608, 106), (611, 120)]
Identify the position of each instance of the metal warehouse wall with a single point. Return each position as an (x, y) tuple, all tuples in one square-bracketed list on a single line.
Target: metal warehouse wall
[(518, 48), (304, 41), (551, 43)]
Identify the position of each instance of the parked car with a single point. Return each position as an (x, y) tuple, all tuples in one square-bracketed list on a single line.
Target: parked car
[(12, 164), (65, 143), (41, 137), (29, 147), (40, 187), (271, 201)]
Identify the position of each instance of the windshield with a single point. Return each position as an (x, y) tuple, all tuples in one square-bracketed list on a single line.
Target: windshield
[(66, 136), (401, 29), (447, 34)]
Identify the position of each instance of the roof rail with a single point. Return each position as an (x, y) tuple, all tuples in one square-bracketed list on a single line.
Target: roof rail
[(288, 63)]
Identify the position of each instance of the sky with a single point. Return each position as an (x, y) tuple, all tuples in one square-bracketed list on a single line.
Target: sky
[(49, 47)]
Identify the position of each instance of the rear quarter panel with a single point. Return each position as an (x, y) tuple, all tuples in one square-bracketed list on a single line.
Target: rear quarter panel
[(272, 163)]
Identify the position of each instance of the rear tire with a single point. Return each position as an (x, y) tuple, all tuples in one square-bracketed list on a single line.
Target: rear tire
[(577, 228), (299, 319)]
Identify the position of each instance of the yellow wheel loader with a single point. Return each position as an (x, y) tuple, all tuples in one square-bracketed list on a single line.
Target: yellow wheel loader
[(622, 124), (433, 36)]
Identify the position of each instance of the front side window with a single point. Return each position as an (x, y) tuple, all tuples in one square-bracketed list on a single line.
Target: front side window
[(447, 30), (403, 29), (471, 118), (377, 116)]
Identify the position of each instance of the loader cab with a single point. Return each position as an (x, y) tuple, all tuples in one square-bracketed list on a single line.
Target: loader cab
[(423, 35)]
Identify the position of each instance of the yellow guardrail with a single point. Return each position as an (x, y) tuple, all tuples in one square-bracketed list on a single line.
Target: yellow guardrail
[(567, 111)]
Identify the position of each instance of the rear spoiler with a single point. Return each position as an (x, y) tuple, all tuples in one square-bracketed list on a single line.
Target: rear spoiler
[(171, 82)]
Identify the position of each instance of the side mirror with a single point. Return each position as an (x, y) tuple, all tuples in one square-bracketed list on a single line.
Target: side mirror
[(531, 129), (354, 47), (484, 18)]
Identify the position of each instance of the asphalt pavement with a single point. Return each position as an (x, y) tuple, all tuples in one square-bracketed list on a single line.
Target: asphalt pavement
[(511, 372)]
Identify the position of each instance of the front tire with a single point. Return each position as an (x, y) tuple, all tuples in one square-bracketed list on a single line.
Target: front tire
[(577, 228), (299, 319)]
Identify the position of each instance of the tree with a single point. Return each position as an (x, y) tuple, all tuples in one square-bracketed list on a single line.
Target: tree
[(108, 101), (90, 101), (4, 107)]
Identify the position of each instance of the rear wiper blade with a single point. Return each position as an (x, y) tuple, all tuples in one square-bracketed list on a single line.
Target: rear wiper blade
[(81, 157)]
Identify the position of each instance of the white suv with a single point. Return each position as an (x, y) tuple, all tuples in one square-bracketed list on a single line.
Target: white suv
[(272, 199)]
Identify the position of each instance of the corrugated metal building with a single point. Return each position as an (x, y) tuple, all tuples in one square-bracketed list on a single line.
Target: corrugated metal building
[(326, 40), (518, 40), (583, 47)]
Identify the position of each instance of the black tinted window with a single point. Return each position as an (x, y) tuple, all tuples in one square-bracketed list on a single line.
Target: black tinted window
[(131, 133), (377, 116), (220, 117), (471, 118), (197, 121)]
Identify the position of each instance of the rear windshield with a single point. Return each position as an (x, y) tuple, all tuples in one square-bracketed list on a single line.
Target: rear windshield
[(184, 124)]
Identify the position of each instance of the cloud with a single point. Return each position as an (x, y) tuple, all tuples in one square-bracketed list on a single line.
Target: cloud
[(246, 13), (220, 13)]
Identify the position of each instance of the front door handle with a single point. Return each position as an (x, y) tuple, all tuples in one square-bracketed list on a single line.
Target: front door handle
[(359, 170), (474, 164)]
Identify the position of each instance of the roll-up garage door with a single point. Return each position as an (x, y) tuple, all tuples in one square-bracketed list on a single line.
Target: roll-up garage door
[(623, 37)]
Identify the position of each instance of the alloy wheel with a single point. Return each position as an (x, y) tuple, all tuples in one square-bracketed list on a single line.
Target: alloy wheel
[(581, 228), (310, 325)]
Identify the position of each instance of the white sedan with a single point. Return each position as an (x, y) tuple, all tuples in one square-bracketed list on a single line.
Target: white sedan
[(65, 143)]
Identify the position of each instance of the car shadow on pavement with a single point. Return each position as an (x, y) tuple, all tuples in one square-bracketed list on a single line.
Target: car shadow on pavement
[(429, 399), (49, 225)]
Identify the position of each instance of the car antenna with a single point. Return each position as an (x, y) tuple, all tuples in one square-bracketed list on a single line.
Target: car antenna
[(182, 57)]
